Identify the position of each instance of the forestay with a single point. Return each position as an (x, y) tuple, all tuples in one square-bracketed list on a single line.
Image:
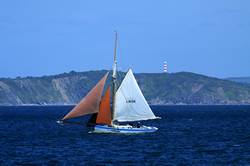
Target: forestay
[(130, 104)]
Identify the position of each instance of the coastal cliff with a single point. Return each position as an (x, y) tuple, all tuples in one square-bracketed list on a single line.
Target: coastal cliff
[(158, 88)]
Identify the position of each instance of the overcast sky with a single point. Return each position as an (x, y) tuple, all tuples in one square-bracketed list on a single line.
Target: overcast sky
[(43, 37)]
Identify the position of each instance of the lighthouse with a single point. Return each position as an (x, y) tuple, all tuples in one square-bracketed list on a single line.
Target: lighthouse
[(165, 67)]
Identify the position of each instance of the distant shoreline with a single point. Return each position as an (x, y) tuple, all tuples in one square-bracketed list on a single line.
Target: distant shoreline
[(182, 88)]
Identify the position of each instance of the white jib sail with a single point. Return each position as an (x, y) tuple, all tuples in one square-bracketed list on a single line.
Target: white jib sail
[(130, 104)]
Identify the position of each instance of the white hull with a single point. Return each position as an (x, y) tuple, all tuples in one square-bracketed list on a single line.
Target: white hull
[(123, 129)]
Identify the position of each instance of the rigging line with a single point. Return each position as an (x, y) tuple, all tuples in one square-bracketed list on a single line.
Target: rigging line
[(119, 68), (119, 78)]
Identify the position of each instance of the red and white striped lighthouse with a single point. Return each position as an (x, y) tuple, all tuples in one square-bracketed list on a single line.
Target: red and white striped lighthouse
[(165, 67)]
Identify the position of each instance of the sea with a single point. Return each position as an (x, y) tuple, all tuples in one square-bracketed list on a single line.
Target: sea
[(187, 135)]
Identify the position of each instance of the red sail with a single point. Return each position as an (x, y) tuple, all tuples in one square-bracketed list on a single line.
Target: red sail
[(90, 103), (104, 115)]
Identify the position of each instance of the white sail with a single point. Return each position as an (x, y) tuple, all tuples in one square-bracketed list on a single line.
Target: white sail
[(130, 104)]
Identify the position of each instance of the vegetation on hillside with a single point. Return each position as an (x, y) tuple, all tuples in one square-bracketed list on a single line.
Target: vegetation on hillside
[(158, 88)]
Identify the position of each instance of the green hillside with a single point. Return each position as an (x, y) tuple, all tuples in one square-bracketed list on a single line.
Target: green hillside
[(158, 88)]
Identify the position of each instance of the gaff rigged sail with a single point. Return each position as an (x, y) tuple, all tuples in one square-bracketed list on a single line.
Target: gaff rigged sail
[(90, 103), (104, 115)]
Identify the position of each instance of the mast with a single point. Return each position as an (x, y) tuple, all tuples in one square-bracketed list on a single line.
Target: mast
[(114, 77)]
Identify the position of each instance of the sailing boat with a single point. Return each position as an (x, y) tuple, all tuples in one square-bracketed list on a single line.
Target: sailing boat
[(128, 105)]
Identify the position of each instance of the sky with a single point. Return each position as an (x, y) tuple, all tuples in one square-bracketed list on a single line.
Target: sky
[(44, 37)]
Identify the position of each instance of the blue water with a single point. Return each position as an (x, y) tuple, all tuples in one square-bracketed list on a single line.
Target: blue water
[(187, 135)]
